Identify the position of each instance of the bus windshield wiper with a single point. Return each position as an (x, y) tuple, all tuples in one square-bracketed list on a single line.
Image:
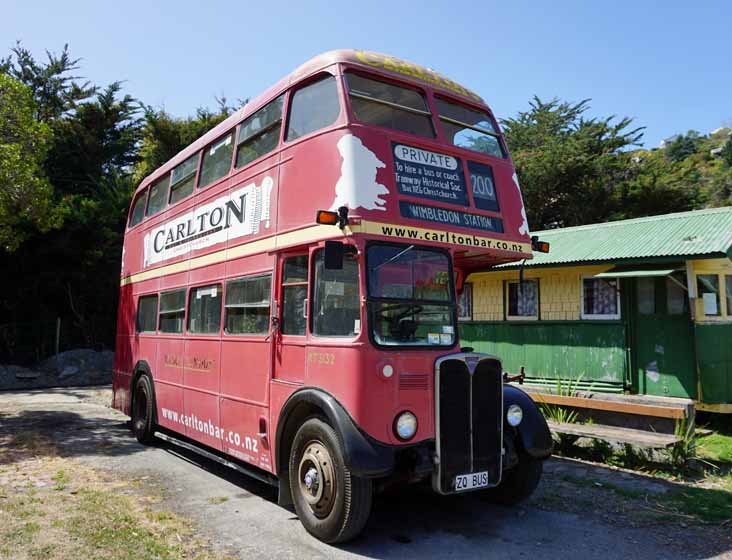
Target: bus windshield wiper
[(395, 257)]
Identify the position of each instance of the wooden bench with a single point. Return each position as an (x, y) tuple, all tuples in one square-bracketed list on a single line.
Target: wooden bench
[(669, 412)]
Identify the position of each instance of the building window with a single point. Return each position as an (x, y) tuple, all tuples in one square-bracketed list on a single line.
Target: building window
[(247, 305), (728, 293), (172, 311), (707, 287), (600, 298), (676, 301), (646, 293), (204, 309), (465, 303), (336, 303), (523, 300), (313, 107), (216, 160), (147, 309)]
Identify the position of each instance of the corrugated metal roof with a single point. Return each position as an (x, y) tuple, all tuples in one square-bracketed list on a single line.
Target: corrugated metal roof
[(696, 233)]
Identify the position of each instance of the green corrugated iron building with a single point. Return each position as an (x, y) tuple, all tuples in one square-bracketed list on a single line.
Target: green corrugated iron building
[(641, 306)]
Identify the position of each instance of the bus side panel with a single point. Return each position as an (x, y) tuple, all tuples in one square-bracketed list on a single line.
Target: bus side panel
[(168, 377), (122, 368), (201, 377), (240, 433)]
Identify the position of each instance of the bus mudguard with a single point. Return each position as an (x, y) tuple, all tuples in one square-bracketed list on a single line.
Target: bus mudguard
[(365, 457), (533, 430)]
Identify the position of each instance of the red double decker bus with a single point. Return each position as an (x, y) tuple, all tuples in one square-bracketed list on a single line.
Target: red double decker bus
[(289, 289)]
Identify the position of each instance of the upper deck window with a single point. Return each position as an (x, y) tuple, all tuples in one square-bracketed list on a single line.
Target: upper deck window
[(469, 128), (260, 133), (384, 104), (158, 196), (216, 160), (138, 208), (313, 107), (183, 178)]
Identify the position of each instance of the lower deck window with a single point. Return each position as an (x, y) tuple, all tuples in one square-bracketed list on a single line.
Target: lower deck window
[(204, 309), (147, 308), (247, 305), (172, 311), (600, 298), (523, 300)]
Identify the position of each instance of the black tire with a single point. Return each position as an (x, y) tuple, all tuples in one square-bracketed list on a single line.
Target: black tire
[(518, 483), (143, 407), (333, 505)]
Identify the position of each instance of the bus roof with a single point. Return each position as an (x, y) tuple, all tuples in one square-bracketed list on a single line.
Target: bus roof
[(368, 59)]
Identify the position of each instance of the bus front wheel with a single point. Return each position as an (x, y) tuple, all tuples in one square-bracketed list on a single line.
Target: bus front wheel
[(518, 483), (142, 411), (332, 504)]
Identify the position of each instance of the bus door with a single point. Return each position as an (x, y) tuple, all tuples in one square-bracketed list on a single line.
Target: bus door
[(246, 353), (292, 298), (202, 367)]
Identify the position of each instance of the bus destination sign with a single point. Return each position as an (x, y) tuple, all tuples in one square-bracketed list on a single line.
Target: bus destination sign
[(431, 175)]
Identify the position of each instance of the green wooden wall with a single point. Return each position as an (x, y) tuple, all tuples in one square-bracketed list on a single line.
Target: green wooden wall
[(592, 352), (714, 359)]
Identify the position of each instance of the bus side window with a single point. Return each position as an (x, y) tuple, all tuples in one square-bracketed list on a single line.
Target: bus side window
[(138, 209), (158, 196), (183, 178), (172, 311), (147, 308), (247, 305), (336, 309), (260, 133), (204, 309), (216, 160), (294, 294), (313, 107)]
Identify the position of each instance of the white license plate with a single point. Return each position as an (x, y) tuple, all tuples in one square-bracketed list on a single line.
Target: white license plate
[(471, 481)]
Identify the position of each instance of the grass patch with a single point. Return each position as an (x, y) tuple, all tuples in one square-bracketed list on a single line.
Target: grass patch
[(715, 447), (218, 500), (56, 508)]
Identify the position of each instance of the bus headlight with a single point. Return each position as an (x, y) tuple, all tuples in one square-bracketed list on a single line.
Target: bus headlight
[(405, 425), (514, 415)]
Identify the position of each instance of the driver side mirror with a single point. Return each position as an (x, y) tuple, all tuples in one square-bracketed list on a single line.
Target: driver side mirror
[(333, 255)]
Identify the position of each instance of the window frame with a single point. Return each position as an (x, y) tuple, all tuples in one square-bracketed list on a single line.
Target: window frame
[(144, 193), (467, 288), (220, 287), (317, 252), (248, 277), (233, 132), (281, 121), (281, 290), (292, 92), (171, 186), (603, 317), (155, 316), (460, 102), (396, 83), (178, 310), (509, 317)]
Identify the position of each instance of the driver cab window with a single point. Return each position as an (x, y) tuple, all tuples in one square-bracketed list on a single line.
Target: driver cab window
[(294, 295), (336, 310)]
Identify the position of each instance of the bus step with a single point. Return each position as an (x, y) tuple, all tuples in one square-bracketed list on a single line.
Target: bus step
[(248, 471)]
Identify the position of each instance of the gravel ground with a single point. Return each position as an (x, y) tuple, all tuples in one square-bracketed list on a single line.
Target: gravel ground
[(574, 512)]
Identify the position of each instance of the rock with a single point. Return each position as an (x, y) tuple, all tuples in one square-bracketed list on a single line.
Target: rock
[(23, 373), (68, 371), (83, 366)]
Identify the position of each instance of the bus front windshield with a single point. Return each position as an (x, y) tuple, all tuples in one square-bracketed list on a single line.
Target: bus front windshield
[(411, 300)]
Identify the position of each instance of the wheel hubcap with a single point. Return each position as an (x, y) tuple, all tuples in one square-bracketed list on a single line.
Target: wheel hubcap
[(317, 479)]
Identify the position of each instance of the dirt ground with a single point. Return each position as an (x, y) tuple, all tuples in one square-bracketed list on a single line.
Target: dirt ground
[(580, 509)]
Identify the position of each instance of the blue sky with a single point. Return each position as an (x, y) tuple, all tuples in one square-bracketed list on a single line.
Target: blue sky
[(667, 64)]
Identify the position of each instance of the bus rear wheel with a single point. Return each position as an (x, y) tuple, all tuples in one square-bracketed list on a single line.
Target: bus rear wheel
[(142, 411), (332, 504)]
